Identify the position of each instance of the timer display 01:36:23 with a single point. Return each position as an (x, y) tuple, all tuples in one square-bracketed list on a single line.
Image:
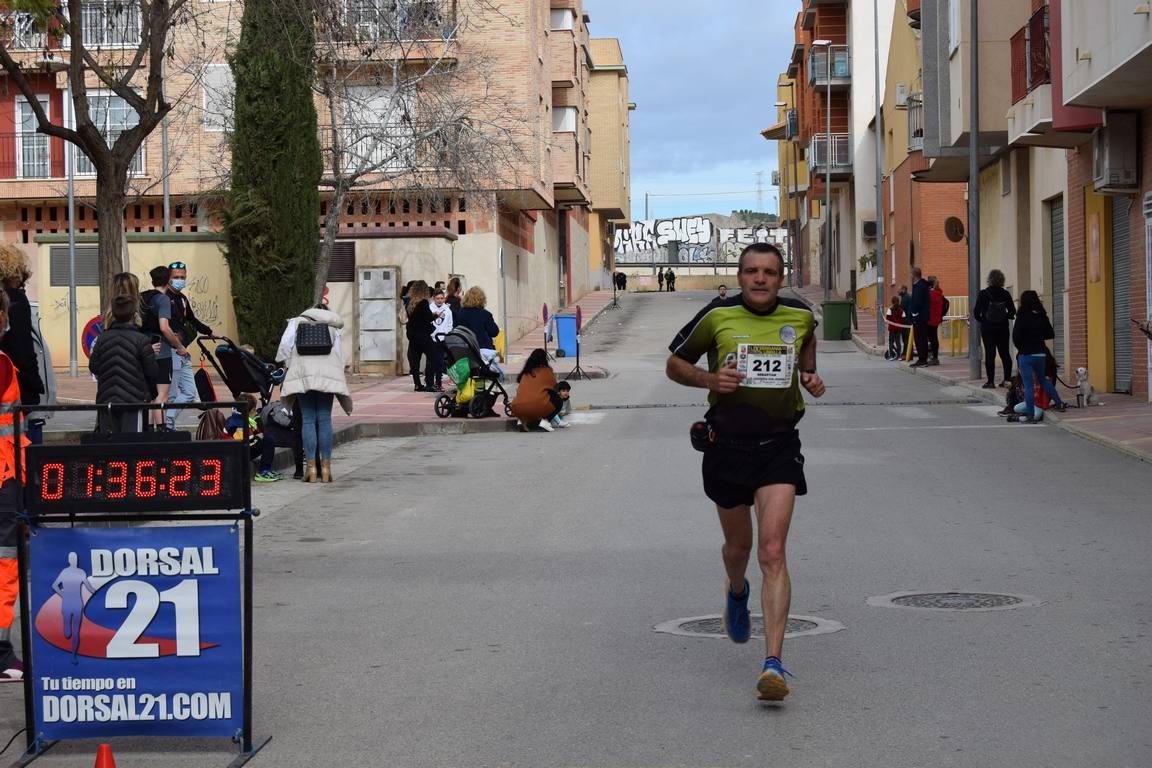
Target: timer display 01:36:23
[(139, 479)]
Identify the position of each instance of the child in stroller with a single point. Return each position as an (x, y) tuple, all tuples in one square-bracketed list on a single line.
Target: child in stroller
[(477, 383), (250, 380)]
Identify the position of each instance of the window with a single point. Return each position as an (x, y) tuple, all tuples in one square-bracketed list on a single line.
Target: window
[(219, 93), (32, 157), (953, 26), (376, 20), (563, 18), (110, 23), (112, 116), (564, 120)]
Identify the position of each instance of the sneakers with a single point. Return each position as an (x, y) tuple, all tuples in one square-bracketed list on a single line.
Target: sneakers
[(267, 476), (771, 685), (1060, 407), (559, 422), (737, 623), (989, 385), (933, 361), (12, 670), (546, 425)]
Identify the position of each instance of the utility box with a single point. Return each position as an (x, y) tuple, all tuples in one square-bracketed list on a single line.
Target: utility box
[(837, 320), (377, 314), (567, 334)]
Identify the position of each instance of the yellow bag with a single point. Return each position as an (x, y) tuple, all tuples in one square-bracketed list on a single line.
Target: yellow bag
[(466, 392)]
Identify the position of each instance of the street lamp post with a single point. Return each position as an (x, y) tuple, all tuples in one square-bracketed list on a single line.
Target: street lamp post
[(791, 239), (827, 266), (880, 304)]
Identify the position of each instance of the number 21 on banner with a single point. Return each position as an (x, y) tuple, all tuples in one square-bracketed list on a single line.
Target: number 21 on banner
[(185, 599)]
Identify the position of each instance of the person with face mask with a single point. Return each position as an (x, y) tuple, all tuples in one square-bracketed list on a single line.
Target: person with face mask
[(11, 668), (186, 326)]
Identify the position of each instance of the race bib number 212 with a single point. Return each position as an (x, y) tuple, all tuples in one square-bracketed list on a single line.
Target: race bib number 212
[(766, 366)]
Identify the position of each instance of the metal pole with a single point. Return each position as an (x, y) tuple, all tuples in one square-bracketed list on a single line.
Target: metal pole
[(974, 196), (69, 161), (646, 206), (164, 158), (880, 303), (798, 259), (828, 172)]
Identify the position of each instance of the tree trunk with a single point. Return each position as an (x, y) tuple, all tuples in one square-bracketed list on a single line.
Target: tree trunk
[(328, 241), (110, 200)]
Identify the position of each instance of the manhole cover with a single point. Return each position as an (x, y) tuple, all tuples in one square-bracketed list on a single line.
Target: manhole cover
[(954, 601), (713, 626)]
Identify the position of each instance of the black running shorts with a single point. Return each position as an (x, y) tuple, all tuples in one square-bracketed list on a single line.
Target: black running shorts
[(165, 366), (732, 474)]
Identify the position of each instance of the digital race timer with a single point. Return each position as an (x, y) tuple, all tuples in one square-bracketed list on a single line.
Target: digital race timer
[(136, 477)]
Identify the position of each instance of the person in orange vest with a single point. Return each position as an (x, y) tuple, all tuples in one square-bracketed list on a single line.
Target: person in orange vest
[(11, 668)]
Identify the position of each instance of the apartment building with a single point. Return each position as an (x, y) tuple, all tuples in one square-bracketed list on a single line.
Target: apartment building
[(821, 71), (524, 236), (915, 213), (609, 114), (1100, 65)]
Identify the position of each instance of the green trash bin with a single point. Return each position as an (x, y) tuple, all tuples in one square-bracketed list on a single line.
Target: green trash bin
[(837, 320)]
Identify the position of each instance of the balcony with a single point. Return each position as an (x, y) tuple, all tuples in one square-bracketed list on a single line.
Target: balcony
[(395, 148), (915, 108), (830, 154), (104, 23), (1030, 62), (384, 22), (563, 59), (840, 75), (913, 10), (30, 155)]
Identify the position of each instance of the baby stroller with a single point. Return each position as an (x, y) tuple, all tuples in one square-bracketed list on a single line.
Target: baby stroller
[(477, 385), (244, 374)]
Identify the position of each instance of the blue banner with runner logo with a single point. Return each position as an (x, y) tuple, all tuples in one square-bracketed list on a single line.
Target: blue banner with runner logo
[(136, 631)]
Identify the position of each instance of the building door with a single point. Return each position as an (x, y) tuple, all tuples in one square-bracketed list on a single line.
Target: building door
[(1056, 228), (1121, 296), (377, 314)]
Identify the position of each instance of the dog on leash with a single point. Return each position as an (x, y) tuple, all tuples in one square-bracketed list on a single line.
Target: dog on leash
[(1085, 392)]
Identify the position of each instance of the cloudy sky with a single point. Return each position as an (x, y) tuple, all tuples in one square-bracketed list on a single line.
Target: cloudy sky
[(702, 75)]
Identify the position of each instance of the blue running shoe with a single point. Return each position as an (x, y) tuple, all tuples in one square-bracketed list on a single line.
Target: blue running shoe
[(737, 623), (772, 686)]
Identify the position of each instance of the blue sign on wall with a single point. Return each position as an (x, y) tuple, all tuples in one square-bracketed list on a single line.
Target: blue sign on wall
[(137, 631)]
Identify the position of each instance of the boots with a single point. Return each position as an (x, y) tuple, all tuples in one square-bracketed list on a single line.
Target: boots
[(325, 470), (310, 472)]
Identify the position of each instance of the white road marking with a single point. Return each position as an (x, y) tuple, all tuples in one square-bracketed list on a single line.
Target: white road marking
[(934, 427), (912, 412)]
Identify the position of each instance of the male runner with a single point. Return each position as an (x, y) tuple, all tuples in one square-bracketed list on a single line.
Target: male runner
[(761, 349)]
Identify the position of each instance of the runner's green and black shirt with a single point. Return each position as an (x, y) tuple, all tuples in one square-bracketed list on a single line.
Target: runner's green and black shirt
[(718, 331)]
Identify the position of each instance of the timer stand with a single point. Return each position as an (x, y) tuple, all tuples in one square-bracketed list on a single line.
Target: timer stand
[(147, 477)]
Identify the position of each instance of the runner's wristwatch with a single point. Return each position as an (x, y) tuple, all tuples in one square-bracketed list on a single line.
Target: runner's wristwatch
[(807, 370)]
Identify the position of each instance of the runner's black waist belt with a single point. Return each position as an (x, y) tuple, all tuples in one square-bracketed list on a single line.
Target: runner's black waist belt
[(753, 441)]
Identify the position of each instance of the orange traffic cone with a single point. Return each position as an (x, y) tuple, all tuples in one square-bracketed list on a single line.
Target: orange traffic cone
[(104, 757)]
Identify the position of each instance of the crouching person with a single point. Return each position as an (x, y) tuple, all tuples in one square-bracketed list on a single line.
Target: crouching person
[(539, 398)]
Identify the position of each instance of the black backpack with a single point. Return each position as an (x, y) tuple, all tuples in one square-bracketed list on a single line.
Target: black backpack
[(997, 313), (149, 320), (313, 338)]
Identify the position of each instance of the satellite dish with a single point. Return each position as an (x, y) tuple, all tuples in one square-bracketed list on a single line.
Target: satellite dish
[(954, 229)]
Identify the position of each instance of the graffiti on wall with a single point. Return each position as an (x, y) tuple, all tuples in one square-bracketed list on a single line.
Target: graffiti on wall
[(732, 241), (647, 242)]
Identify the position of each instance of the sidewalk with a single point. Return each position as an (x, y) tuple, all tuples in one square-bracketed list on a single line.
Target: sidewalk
[(1123, 422), (384, 406)]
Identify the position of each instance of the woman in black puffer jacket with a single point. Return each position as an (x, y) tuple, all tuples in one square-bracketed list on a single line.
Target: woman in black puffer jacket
[(1032, 329), (994, 310), (125, 368)]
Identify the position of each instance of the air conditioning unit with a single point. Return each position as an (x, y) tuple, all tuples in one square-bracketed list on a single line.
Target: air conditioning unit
[(869, 228), (901, 96), (1115, 165)]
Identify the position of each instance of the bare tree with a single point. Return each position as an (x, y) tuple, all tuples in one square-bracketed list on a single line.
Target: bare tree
[(403, 111), (112, 53)]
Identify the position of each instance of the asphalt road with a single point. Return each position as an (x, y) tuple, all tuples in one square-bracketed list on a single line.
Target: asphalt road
[(489, 600)]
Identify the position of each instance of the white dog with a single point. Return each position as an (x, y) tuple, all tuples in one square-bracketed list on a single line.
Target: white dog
[(1085, 392)]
